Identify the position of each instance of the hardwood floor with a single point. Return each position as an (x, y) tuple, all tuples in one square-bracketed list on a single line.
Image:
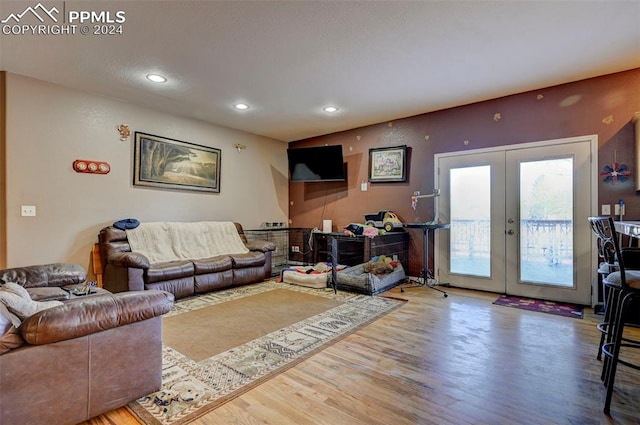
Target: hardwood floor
[(456, 360)]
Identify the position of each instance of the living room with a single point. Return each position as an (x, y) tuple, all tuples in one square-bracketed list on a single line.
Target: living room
[(82, 125), (46, 126)]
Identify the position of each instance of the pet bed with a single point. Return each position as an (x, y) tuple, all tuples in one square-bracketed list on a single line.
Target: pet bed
[(310, 276), (355, 279)]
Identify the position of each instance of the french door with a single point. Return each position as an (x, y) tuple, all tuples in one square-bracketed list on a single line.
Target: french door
[(518, 219)]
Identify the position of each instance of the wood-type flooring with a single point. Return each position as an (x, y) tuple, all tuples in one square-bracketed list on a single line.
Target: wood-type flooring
[(456, 360)]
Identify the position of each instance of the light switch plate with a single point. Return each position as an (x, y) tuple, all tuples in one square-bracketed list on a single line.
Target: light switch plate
[(606, 209)]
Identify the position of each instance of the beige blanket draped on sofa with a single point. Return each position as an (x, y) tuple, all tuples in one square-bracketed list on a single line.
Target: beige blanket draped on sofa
[(168, 241)]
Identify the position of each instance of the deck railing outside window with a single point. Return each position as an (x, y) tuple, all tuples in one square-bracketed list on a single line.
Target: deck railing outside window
[(546, 249)]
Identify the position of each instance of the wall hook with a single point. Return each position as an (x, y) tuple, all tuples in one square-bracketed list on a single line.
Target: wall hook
[(124, 131)]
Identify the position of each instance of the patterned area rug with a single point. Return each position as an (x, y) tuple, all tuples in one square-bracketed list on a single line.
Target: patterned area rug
[(560, 309), (190, 389)]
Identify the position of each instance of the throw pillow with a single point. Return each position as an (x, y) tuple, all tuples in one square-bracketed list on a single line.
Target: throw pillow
[(15, 288), (17, 300), (7, 319)]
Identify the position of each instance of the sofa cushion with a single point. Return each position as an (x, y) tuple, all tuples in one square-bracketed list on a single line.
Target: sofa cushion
[(48, 294), (250, 259), (180, 288), (17, 300), (170, 270), (216, 264)]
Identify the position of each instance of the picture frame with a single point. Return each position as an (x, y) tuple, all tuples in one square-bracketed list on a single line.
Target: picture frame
[(174, 164), (388, 165)]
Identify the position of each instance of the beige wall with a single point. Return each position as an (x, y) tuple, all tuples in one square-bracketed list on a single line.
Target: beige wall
[(49, 126)]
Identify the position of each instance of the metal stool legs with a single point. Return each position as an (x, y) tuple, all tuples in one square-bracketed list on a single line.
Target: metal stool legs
[(615, 340)]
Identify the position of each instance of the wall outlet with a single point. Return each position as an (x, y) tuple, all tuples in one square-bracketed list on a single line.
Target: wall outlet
[(295, 248), (606, 209), (28, 211)]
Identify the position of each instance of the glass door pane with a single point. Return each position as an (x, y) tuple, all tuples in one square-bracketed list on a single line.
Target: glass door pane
[(470, 215), (548, 240), (471, 252), (546, 222)]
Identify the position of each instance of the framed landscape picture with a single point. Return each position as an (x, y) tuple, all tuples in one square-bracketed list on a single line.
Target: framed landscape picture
[(173, 164), (388, 164)]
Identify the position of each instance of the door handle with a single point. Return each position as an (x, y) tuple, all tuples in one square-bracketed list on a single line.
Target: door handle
[(510, 232)]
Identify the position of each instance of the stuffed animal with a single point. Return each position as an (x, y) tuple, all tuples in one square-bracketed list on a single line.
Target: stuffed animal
[(379, 265)]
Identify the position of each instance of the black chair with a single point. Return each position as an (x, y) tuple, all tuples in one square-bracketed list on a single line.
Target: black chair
[(622, 289)]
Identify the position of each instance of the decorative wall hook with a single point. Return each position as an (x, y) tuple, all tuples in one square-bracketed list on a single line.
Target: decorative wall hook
[(240, 147), (92, 167), (124, 131)]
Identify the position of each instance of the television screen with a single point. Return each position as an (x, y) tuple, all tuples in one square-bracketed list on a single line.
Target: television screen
[(317, 164)]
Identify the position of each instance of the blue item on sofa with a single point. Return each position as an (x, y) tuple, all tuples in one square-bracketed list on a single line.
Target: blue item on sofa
[(127, 223)]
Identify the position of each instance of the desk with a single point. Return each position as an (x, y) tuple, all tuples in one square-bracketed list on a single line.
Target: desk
[(425, 275)]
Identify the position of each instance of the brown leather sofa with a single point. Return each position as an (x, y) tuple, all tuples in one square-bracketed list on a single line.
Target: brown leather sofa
[(74, 361), (124, 270)]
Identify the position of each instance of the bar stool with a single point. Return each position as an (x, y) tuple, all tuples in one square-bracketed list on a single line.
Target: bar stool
[(623, 292), (631, 258)]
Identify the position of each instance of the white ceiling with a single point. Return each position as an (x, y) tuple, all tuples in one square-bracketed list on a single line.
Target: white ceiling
[(375, 60)]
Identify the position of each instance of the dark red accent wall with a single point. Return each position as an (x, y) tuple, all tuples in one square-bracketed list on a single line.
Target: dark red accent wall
[(603, 106)]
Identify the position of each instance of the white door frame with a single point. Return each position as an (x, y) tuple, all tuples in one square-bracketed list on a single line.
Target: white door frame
[(592, 139)]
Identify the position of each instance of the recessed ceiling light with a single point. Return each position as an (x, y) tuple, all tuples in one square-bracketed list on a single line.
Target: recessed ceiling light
[(241, 106), (330, 109), (156, 78)]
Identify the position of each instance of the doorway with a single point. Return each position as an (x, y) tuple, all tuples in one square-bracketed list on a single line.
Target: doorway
[(518, 218)]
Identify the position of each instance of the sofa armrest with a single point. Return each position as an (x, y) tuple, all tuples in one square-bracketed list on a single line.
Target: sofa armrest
[(94, 314), (129, 259), (258, 245)]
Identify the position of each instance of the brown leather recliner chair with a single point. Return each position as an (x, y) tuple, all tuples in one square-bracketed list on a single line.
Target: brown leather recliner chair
[(72, 362)]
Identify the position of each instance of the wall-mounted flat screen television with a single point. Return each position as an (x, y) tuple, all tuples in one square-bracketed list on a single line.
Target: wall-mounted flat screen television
[(316, 164)]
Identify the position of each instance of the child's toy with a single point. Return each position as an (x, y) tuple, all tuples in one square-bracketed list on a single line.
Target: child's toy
[(380, 265), (383, 219)]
